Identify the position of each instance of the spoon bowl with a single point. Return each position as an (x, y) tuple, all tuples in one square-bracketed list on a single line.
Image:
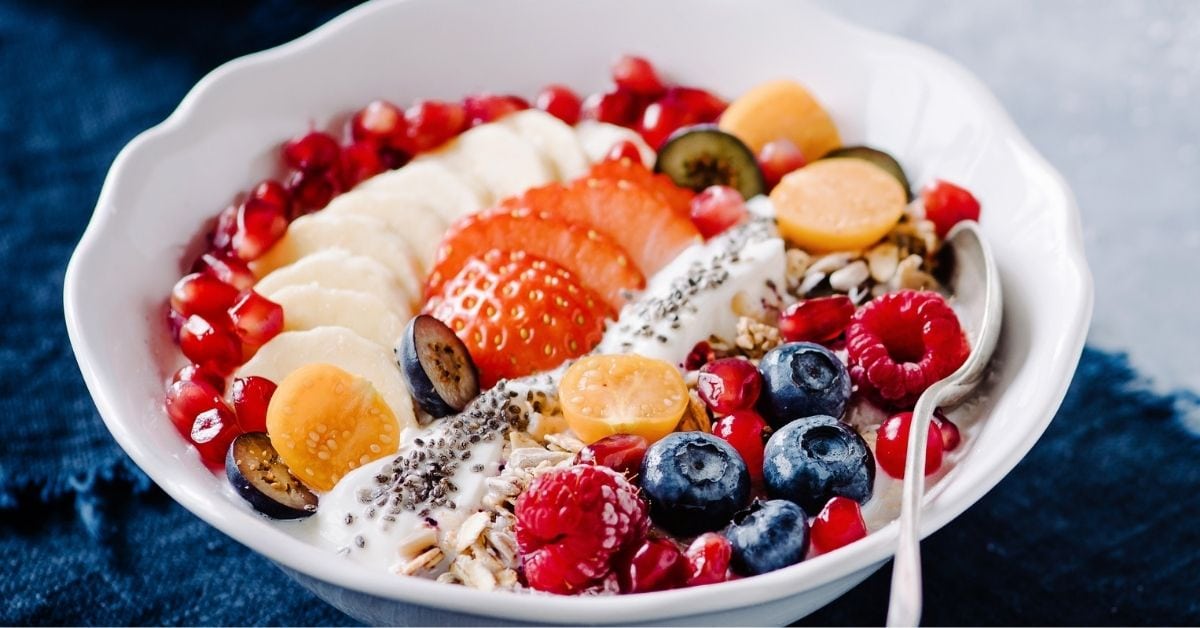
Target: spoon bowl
[(975, 283)]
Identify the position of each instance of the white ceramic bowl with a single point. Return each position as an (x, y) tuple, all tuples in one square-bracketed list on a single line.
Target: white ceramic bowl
[(926, 110)]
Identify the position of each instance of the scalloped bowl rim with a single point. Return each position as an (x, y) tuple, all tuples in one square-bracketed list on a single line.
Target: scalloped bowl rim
[(295, 554)]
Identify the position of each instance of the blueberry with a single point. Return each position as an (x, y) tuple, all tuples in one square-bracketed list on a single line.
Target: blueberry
[(437, 367), (802, 379), (816, 458), (695, 482), (767, 536)]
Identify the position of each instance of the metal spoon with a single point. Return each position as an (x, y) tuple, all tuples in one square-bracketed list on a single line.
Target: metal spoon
[(976, 287)]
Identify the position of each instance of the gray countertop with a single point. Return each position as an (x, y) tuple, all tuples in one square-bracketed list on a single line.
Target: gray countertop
[(1109, 92)]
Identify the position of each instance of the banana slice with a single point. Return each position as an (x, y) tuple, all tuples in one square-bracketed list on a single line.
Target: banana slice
[(504, 163), (361, 235), (554, 139), (430, 183), (342, 348), (597, 138), (311, 306), (339, 269), (420, 226)]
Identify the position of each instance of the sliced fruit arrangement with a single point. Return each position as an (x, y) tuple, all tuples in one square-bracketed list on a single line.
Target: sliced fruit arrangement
[(575, 247), (392, 294), (519, 313)]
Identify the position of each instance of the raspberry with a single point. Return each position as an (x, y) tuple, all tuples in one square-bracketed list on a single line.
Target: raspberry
[(572, 523), (901, 343)]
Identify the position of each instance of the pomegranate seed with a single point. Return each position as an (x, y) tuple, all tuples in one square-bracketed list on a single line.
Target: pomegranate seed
[(637, 75), (273, 193), (314, 152), (380, 123), (718, 208), (260, 225), (256, 319), (619, 452), (624, 149), (393, 158), (212, 432), (701, 105), (660, 119), (839, 524), (488, 107), (891, 446), (614, 107), (816, 320), (175, 322), (947, 204), (312, 191), (250, 397), (748, 433), (228, 269), (187, 398), (221, 238), (432, 123), (360, 161), (728, 385), (778, 158), (215, 347), (202, 294), (560, 102), (708, 559), (702, 353), (951, 438), (656, 565), (200, 373)]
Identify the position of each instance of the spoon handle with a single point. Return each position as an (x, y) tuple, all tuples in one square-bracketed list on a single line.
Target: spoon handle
[(904, 604)]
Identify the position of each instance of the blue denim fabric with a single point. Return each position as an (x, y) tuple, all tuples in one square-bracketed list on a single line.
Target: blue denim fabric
[(1094, 527)]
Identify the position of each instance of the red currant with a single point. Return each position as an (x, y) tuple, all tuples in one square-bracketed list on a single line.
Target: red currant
[(260, 224), (708, 559), (200, 373), (747, 432), (216, 347), (816, 320), (656, 565), (256, 319), (947, 204), (728, 385), (839, 523), (560, 102), (186, 398), (778, 158), (250, 397), (619, 452), (431, 123), (891, 446), (380, 123), (637, 75), (718, 208), (202, 294), (212, 432), (618, 106), (951, 438), (314, 152)]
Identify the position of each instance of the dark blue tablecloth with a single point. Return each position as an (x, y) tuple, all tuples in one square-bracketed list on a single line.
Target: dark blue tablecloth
[(1096, 526)]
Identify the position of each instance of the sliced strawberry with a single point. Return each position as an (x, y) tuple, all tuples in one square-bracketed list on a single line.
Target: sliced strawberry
[(609, 207), (660, 185), (519, 314), (588, 254)]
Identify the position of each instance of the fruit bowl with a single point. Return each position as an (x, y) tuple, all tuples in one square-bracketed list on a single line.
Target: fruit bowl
[(920, 106)]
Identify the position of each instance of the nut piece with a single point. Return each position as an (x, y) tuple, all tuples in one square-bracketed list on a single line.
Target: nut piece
[(849, 277)]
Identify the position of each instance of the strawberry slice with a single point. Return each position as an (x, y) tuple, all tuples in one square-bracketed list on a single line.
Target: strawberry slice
[(583, 251), (660, 185), (613, 207), (519, 314)]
